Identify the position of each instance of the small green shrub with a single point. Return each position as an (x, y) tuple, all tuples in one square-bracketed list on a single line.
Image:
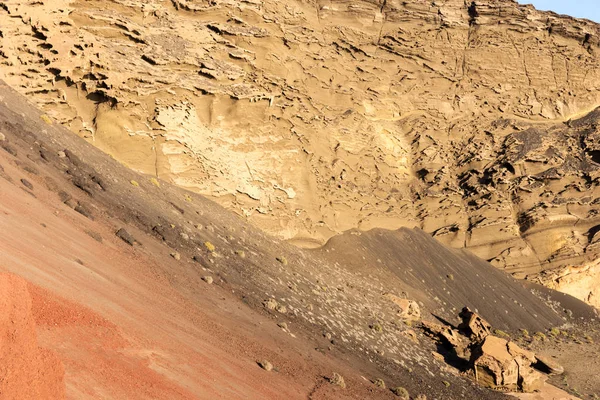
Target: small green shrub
[(400, 392), (209, 246)]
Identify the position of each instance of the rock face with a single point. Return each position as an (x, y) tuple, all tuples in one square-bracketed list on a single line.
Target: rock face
[(582, 282), (311, 118), (473, 325), (501, 364)]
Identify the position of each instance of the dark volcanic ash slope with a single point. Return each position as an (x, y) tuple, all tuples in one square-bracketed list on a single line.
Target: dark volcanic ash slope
[(442, 279), (339, 308)]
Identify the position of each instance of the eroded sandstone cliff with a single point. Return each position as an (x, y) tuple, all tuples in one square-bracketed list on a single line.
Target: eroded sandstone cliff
[(472, 120)]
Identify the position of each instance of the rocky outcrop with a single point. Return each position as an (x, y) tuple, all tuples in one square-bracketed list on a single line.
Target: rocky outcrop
[(473, 326), (311, 118), (582, 282), (494, 362), (498, 363)]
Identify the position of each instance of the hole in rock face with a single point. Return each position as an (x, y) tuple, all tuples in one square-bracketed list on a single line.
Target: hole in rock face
[(509, 167), (592, 232), (422, 173), (586, 39), (594, 155), (473, 13)]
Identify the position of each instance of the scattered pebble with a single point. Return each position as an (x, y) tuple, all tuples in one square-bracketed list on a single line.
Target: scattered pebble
[(27, 184), (266, 365), (282, 260), (126, 237)]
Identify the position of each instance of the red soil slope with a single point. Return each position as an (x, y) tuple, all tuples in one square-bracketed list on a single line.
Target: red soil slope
[(108, 313), (28, 371)]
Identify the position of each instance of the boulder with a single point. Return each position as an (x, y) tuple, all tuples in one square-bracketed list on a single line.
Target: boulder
[(408, 309), (531, 380), (473, 325), (445, 334), (449, 338), (549, 366), (500, 364), (527, 357), (494, 366), (497, 363)]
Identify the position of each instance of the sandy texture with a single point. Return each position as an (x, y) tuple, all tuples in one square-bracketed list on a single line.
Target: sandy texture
[(311, 118), (28, 371)]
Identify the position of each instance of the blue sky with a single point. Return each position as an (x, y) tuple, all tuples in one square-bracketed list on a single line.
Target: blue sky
[(589, 9)]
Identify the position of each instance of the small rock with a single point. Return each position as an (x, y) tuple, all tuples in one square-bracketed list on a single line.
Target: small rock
[(409, 309), (72, 203), (282, 260), (208, 279), (240, 253), (61, 154), (337, 379), (176, 256), (9, 149), (199, 259), (64, 196), (547, 365), (2, 137), (27, 184), (411, 334), (126, 237), (283, 325), (266, 365), (94, 235), (84, 210)]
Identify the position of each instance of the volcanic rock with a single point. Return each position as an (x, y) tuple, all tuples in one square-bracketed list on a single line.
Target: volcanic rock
[(474, 121), (473, 325)]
